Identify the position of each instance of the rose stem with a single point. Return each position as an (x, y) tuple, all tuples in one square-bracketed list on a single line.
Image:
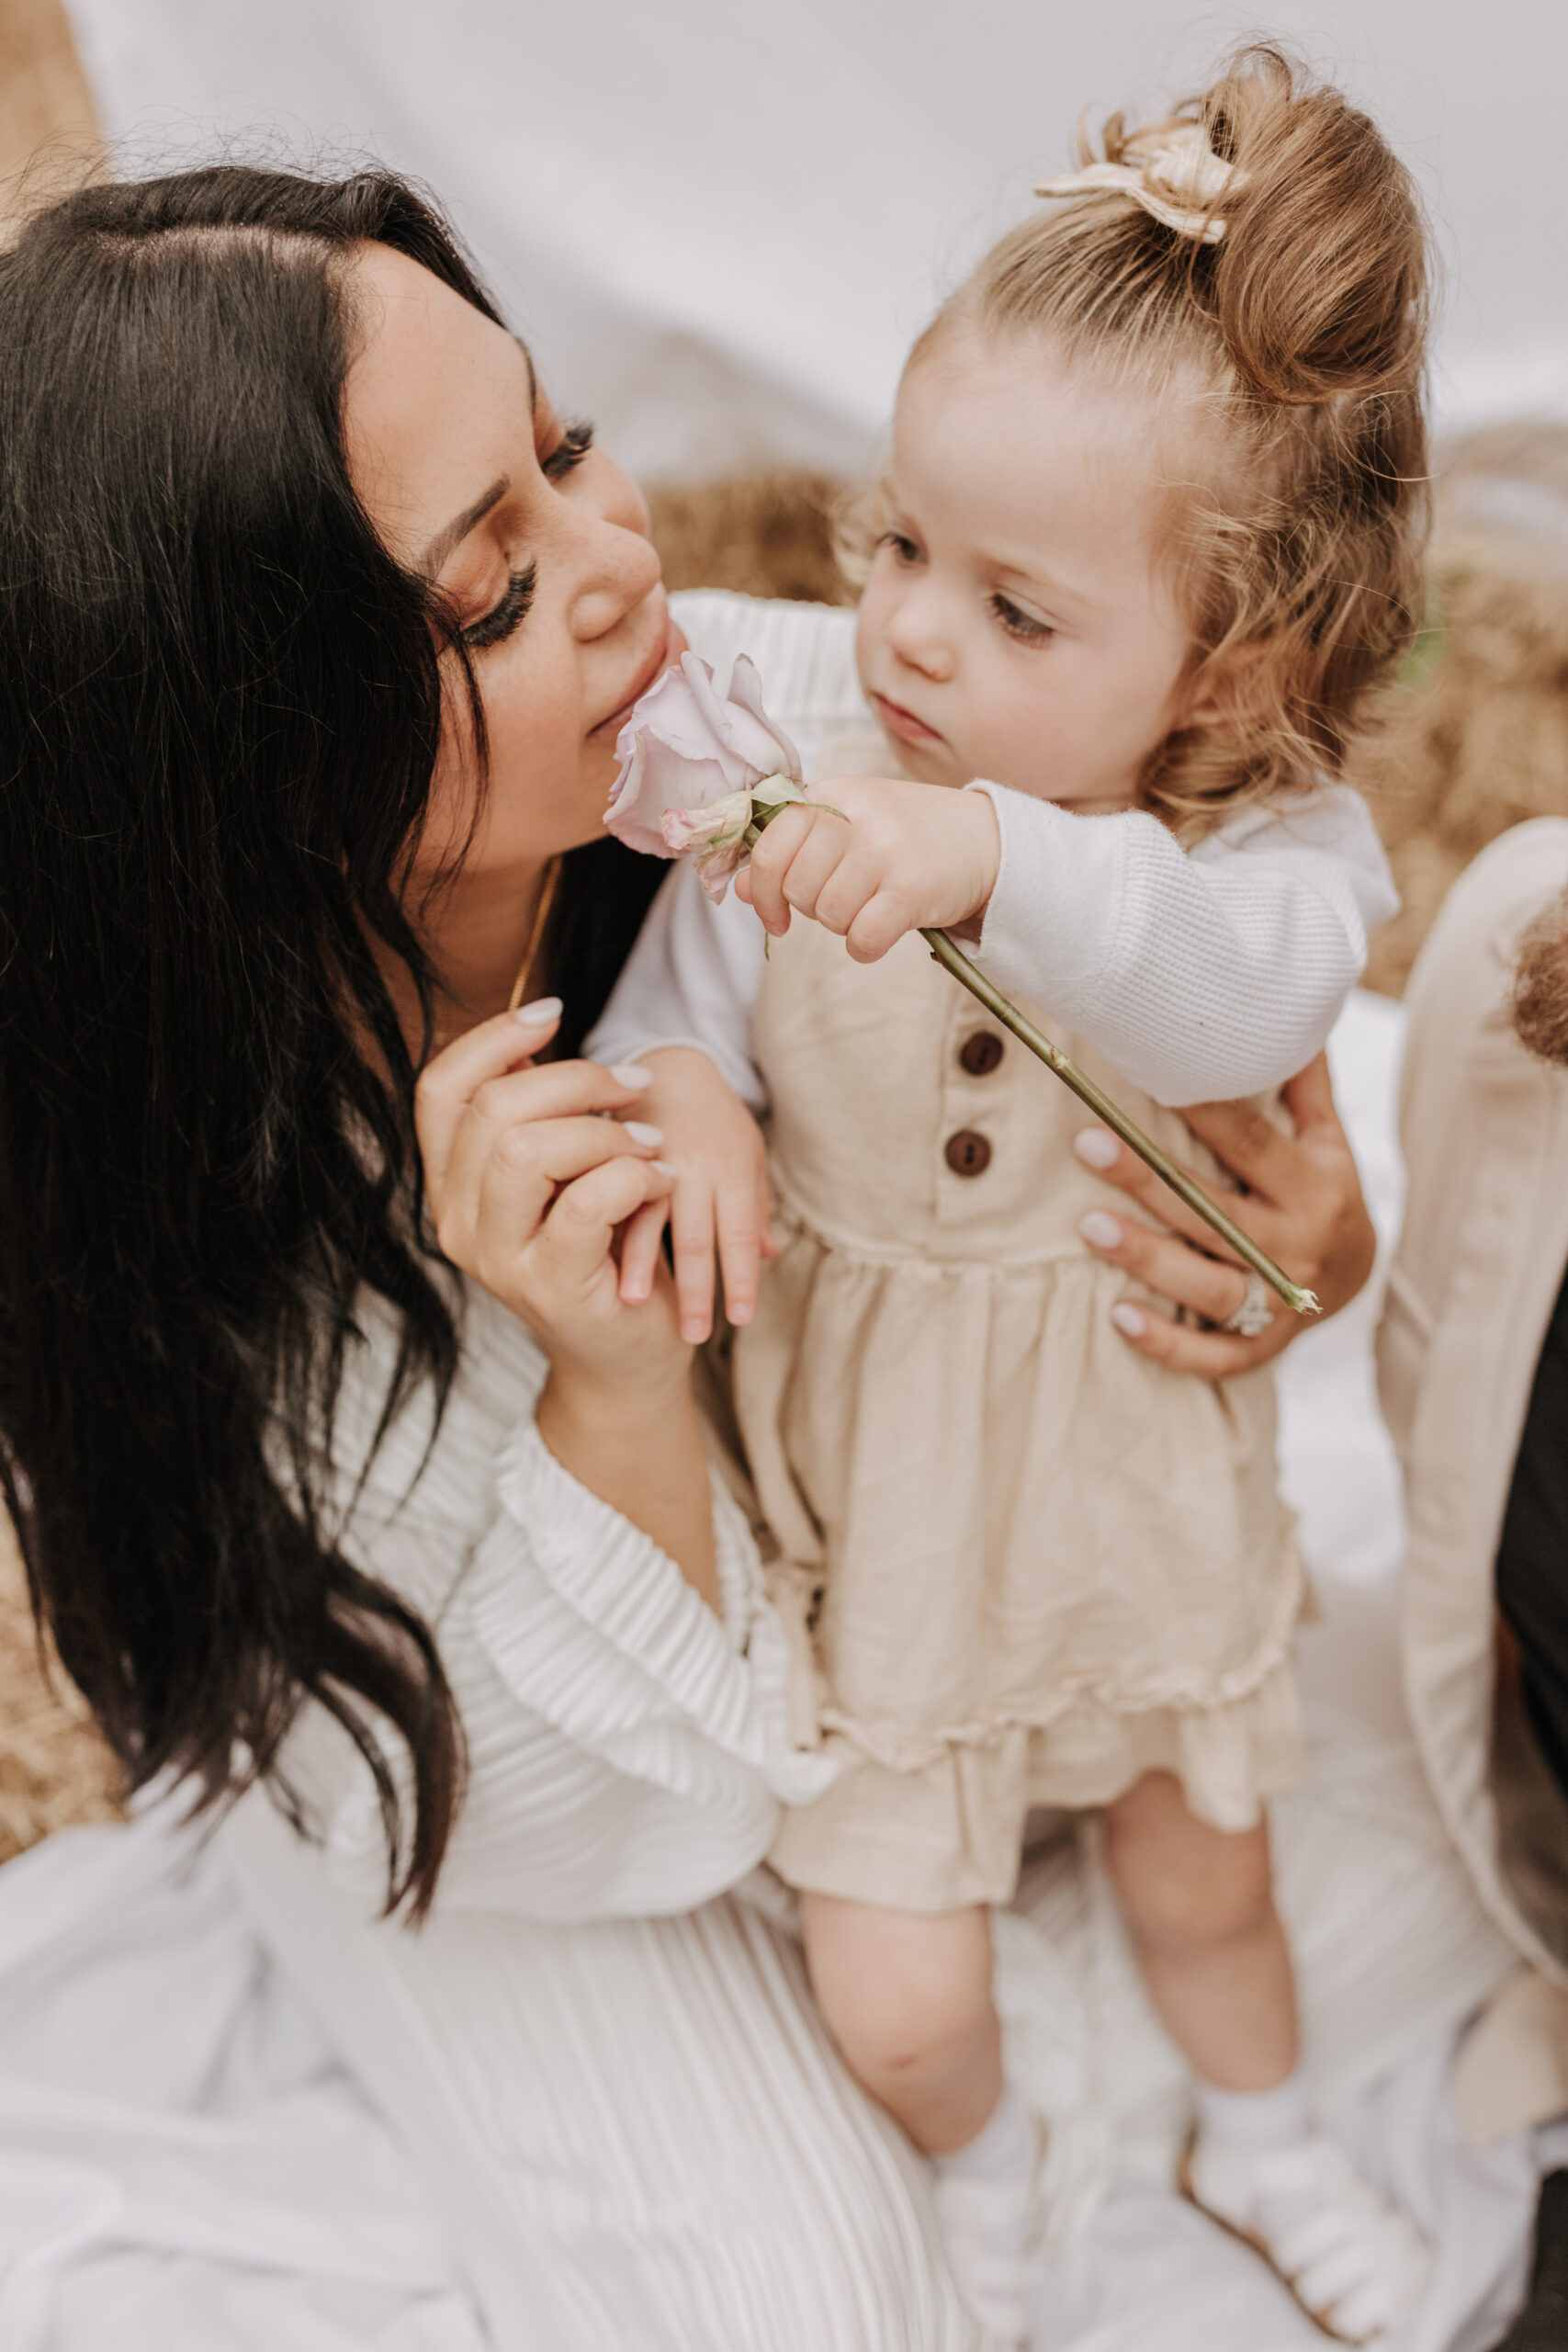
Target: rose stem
[(954, 959)]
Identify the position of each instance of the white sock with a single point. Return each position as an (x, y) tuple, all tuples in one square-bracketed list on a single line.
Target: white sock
[(999, 2151), (1261, 2119), (1004, 2149), (984, 2192)]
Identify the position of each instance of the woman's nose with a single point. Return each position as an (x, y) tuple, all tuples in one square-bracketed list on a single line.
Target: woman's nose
[(620, 569)]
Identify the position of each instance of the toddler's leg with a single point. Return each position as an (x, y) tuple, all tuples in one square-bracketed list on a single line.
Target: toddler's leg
[(906, 1996), (1199, 1907), (908, 1999)]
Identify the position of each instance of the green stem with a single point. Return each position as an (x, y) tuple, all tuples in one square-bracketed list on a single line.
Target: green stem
[(954, 959)]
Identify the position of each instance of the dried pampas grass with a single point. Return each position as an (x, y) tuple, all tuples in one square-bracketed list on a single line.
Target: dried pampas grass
[(1474, 738), (54, 1769)]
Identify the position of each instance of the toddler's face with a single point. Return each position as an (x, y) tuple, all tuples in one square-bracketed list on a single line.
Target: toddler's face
[(1016, 625)]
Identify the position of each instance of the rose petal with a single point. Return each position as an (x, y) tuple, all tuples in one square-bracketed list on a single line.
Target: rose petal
[(746, 694), (686, 746)]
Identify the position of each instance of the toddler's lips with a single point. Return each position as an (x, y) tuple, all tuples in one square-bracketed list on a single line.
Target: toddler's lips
[(901, 722)]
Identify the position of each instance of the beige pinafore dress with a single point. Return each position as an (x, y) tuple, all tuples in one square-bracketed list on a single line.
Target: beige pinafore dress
[(1021, 1563)]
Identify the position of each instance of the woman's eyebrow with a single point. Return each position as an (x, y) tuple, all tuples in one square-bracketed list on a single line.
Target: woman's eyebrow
[(457, 529)]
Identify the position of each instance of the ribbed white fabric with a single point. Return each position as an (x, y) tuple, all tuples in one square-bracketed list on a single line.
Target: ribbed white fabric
[(1203, 975), (636, 2124), (634, 2127)]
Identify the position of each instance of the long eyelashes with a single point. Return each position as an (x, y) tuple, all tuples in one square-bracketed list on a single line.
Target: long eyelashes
[(506, 616), (1023, 626), (576, 440)]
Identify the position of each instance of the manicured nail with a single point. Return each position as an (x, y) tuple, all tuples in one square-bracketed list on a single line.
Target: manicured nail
[(1130, 1319), (1095, 1147), (629, 1074), (1100, 1231), (693, 1330), (640, 1132), (665, 1166), (542, 1009)]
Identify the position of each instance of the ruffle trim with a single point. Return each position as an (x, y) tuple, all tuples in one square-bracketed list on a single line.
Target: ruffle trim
[(624, 1658), (1182, 1690)]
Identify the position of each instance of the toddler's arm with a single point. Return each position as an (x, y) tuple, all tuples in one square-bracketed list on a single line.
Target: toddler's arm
[(682, 1008), (1203, 974)]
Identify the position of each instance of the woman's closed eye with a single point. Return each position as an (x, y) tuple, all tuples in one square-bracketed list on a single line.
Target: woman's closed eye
[(576, 440), (507, 615), (1025, 626)]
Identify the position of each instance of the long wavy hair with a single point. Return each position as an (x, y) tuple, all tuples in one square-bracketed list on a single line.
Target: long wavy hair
[(220, 711)]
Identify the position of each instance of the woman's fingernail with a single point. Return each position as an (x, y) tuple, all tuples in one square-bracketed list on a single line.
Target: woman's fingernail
[(665, 1166), (1095, 1147), (542, 1009), (640, 1132), (1100, 1231), (1130, 1319), (630, 1074)]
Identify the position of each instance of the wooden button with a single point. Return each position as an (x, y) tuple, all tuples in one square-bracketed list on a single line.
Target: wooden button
[(968, 1154), (980, 1052)]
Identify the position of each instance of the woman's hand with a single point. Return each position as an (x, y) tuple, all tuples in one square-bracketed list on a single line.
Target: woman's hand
[(912, 857), (529, 1182), (531, 1187), (1303, 1202)]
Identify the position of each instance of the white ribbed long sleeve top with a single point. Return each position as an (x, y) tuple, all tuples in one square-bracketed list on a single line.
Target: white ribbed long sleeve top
[(1203, 974), (628, 1747)]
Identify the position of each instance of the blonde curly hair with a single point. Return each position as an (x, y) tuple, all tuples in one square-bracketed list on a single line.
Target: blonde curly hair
[(1282, 327)]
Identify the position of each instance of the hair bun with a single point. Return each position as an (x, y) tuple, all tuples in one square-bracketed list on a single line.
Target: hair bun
[(1319, 283)]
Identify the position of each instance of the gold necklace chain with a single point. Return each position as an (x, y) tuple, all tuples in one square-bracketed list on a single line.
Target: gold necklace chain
[(536, 933)]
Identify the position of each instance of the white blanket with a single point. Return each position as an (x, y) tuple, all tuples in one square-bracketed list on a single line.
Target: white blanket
[(185, 2168)]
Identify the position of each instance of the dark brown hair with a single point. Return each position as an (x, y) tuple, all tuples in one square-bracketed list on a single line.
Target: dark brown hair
[(220, 708)]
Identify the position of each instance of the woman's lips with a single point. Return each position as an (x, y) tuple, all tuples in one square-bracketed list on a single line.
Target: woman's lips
[(902, 722), (668, 650)]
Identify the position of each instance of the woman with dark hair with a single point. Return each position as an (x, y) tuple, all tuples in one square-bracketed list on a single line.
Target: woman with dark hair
[(355, 1496)]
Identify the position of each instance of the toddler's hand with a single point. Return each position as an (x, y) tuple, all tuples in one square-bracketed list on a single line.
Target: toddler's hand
[(720, 1192), (911, 857)]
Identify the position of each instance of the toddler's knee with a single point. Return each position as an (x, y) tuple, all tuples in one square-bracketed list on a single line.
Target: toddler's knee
[(902, 1995), (1182, 1902)]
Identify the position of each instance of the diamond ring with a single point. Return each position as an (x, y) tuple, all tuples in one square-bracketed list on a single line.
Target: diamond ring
[(1254, 1314)]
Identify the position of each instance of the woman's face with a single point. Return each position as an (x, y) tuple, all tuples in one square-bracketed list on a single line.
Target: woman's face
[(539, 540)]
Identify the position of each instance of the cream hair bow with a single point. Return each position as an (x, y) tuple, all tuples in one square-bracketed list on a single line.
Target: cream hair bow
[(1170, 169)]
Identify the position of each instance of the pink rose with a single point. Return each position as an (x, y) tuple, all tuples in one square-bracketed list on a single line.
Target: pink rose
[(686, 745), (714, 838)]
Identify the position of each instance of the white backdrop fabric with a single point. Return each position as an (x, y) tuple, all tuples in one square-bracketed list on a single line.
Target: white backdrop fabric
[(184, 2167), (721, 222)]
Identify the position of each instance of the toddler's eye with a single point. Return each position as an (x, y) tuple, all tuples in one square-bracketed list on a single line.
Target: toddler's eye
[(575, 442), (904, 550), (1023, 626)]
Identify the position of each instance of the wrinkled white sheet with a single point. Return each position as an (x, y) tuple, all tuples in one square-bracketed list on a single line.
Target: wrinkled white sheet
[(185, 2168)]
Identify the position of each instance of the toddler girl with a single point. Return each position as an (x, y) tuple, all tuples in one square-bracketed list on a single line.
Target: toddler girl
[(1147, 537)]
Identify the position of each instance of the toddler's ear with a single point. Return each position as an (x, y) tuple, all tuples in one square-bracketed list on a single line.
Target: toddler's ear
[(1224, 687)]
